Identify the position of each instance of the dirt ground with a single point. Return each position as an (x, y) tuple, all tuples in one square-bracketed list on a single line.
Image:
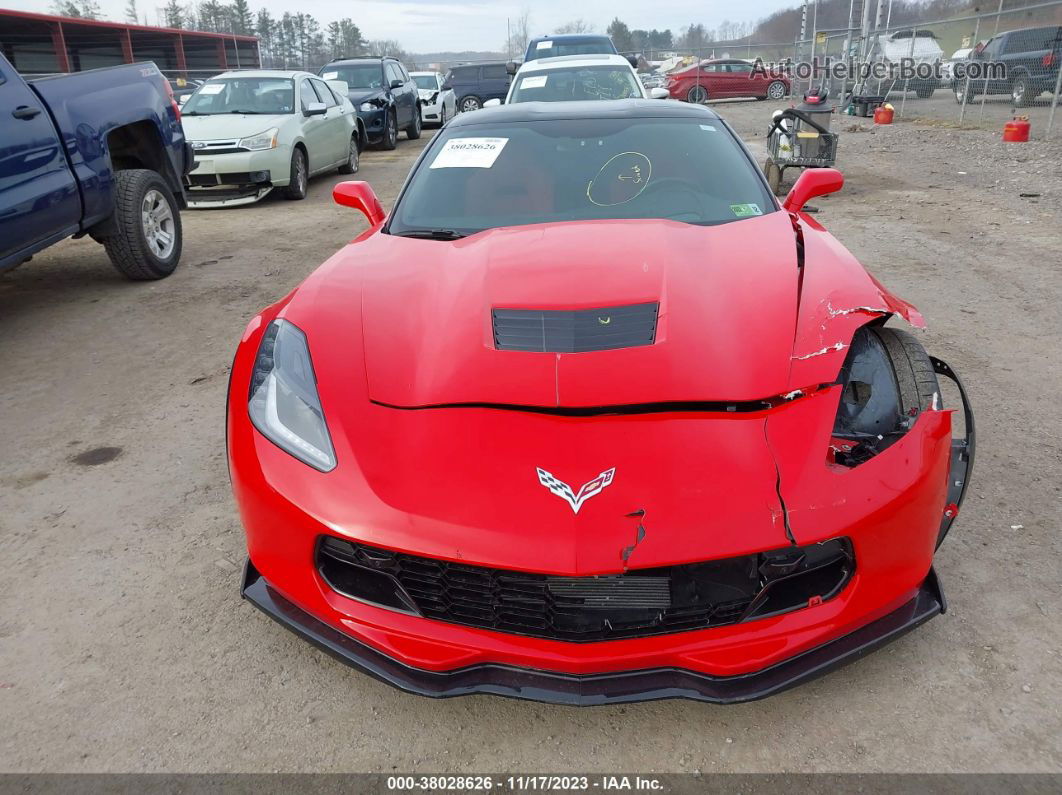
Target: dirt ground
[(124, 645)]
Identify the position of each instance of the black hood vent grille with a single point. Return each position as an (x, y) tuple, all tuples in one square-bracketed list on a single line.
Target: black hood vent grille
[(575, 331)]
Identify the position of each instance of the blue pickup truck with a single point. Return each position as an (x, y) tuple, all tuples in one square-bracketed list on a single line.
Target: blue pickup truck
[(97, 153)]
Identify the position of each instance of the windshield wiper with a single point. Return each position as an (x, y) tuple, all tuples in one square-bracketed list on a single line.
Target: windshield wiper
[(432, 234)]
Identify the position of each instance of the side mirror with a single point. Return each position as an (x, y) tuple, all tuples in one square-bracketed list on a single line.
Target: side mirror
[(511, 67), (659, 93), (361, 197), (813, 182), (447, 85), (632, 60), (315, 109), (397, 84), (492, 103)]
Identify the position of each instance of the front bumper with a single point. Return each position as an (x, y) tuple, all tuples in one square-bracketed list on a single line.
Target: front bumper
[(235, 178), (604, 688), (375, 122)]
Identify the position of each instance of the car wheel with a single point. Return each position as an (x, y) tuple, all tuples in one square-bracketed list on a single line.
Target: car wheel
[(470, 103), (925, 92), (390, 139), (961, 93), (413, 130), (776, 90), (147, 237), (353, 158), (697, 95), (1020, 92), (296, 188), (442, 115)]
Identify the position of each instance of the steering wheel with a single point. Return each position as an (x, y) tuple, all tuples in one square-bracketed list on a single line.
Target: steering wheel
[(678, 186)]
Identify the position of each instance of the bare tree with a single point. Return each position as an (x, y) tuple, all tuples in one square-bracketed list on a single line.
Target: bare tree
[(575, 26), (519, 34)]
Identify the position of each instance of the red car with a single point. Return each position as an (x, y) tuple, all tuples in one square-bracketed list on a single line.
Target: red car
[(725, 78), (589, 417)]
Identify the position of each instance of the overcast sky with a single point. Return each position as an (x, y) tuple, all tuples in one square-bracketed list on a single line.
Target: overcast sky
[(433, 25)]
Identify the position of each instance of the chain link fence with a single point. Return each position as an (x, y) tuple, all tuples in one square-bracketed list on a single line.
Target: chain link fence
[(942, 83)]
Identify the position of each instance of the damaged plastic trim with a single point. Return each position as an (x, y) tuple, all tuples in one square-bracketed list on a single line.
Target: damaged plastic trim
[(664, 407), (962, 452)]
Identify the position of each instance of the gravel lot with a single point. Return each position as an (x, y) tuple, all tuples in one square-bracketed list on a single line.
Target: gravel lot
[(124, 645)]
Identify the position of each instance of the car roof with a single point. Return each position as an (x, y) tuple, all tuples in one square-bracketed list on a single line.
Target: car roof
[(591, 109), (283, 73), (571, 36), (423, 73), (568, 61), (362, 59)]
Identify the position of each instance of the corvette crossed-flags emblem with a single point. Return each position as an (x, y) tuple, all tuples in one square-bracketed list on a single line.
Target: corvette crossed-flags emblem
[(565, 492)]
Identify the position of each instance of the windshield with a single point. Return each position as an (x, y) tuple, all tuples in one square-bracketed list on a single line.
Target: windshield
[(588, 46), (427, 82), (260, 95), (510, 174), (577, 83), (356, 76)]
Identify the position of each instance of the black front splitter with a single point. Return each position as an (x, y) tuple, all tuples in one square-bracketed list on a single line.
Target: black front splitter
[(606, 688)]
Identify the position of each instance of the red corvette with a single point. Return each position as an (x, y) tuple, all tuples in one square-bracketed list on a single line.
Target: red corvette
[(590, 417), (723, 79)]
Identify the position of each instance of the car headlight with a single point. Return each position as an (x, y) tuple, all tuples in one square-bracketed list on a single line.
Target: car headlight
[(369, 106), (264, 140), (283, 401)]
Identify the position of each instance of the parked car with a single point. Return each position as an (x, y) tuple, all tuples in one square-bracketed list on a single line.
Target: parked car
[(552, 427), (183, 88), (1032, 57), (569, 44), (919, 45), (255, 131), (725, 78), (578, 77), (474, 84), (384, 94), (436, 103), (947, 67), (98, 153)]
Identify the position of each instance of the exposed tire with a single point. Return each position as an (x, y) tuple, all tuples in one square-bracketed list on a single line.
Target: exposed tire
[(961, 91), (924, 93), (470, 103), (353, 158), (414, 128), (442, 115), (1021, 92), (915, 376), (697, 95), (776, 90), (147, 237), (390, 137), (300, 171)]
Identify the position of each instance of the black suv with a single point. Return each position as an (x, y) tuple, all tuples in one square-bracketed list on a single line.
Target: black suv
[(474, 84), (1031, 56), (384, 95)]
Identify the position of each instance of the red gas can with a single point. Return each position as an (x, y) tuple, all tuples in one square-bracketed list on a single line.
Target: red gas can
[(882, 115), (1016, 130)]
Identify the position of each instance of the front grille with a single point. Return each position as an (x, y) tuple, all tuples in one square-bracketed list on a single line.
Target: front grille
[(574, 331), (634, 604)]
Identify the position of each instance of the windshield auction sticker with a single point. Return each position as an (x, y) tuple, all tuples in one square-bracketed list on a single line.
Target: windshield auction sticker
[(469, 153), (746, 210), (536, 81)]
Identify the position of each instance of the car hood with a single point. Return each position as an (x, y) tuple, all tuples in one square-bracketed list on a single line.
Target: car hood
[(427, 93), (359, 95), (726, 296), (229, 125)]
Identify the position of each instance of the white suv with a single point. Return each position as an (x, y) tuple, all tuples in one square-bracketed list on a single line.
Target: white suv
[(577, 78)]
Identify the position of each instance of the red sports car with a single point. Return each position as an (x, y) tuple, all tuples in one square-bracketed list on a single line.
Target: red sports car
[(725, 78), (590, 417)]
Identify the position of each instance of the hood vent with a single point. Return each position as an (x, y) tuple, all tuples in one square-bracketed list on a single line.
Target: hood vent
[(575, 331)]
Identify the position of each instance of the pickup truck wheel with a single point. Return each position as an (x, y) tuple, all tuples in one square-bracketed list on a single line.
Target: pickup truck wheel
[(296, 188), (146, 242), (1020, 92)]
